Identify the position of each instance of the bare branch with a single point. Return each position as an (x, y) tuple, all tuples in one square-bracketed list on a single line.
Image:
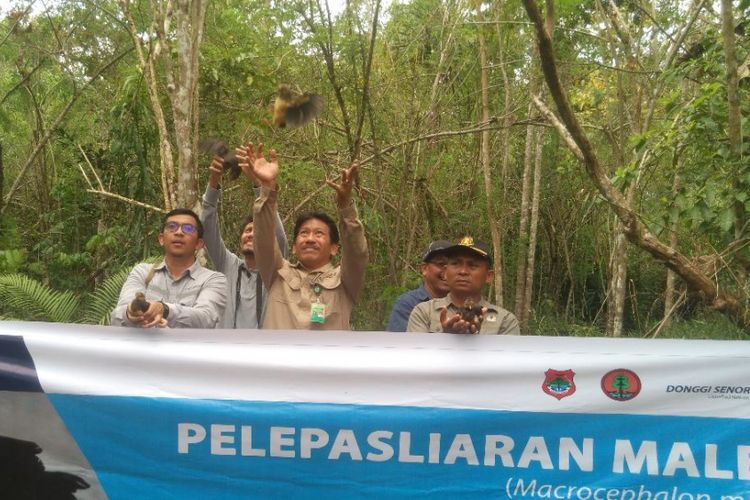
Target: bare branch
[(126, 200), (564, 134)]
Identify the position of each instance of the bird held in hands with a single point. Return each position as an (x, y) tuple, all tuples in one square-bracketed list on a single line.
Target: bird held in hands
[(217, 147), (295, 110), (139, 305)]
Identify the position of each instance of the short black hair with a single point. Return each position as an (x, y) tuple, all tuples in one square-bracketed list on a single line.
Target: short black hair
[(247, 220), (321, 216), (184, 211)]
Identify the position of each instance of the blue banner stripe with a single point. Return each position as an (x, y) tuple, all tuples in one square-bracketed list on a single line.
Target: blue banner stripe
[(187, 448), (17, 370)]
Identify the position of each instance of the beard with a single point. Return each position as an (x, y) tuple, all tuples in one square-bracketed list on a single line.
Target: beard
[(248, 253)]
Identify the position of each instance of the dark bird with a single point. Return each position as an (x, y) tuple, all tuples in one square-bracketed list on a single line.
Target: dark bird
[(217, 147), (23, 475), (293, 109), (471, 312), (139, 304)]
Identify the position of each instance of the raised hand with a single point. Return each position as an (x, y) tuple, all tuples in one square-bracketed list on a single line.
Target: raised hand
[(255, 166), (214, 171), (344, 188)]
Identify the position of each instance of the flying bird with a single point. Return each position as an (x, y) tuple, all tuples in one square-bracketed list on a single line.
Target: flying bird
[(295, 110), (217, 147)]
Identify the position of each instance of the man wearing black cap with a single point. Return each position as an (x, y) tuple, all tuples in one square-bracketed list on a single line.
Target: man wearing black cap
[(433, 286), (464, 309)]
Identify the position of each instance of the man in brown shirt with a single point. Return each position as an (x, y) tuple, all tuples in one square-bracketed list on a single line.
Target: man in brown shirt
[(311, 294)]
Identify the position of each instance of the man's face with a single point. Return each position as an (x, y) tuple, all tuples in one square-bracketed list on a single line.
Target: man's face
[(246, 240), (467, 272), (433, 273), (176, 237), (313, 246)]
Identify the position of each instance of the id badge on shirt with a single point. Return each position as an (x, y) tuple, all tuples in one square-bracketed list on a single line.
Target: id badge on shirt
[(317, 313)]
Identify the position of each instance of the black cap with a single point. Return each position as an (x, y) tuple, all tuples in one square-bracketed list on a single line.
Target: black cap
[(434, 248), (479, 247)]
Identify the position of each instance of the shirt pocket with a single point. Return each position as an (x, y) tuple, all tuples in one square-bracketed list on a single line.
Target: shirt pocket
[(291, 290)]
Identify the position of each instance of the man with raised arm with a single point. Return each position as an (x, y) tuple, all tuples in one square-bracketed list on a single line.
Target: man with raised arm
[(464, 309), (178, 292), (246, 295), (311, 294)]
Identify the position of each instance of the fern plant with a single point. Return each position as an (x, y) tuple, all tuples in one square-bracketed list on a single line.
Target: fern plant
[(25, 298), (100, 302)]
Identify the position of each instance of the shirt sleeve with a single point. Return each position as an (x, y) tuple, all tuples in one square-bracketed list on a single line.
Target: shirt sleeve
[(354, 252), (134, 283), (419, 320), (399, 319), (268, 258), (509, 325), (208, 308), (215, 246), (280, 233)]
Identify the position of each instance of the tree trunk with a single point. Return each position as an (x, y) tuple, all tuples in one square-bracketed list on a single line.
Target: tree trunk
[(533, 227), (179, 183), (617, 280), (532, 136), (669, 288), (485, 159)]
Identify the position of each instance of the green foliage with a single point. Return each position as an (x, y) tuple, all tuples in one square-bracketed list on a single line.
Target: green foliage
[(24, 298), (12, 260), (100, 303)]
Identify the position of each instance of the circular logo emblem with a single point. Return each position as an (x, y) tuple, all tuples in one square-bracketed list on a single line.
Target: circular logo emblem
[(621, 384)]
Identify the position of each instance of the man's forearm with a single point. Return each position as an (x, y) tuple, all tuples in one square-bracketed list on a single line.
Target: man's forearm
[(354, 251), (267, 254), (215, 246)]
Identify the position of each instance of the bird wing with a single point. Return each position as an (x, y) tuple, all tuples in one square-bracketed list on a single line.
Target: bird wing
[(303, 109)]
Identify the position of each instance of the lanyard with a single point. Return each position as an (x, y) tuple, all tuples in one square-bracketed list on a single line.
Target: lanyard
[(258, 296)]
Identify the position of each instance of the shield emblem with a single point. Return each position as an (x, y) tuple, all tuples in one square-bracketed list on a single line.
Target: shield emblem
[(559, 383)]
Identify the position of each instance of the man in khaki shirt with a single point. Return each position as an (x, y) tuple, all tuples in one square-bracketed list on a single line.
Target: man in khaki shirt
[(469, 268), (311, 294)]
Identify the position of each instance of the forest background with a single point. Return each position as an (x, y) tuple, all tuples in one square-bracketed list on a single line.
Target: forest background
[(600, 146)]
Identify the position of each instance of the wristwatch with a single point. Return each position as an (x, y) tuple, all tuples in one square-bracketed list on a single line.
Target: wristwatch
[(166, 310)]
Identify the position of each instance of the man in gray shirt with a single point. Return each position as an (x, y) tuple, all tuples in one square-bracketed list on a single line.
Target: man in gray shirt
[(246, 294), (178, 292)]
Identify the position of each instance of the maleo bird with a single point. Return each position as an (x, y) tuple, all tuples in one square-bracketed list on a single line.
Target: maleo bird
[(295, 110)]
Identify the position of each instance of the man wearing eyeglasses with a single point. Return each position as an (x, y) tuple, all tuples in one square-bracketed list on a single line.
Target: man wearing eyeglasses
[(179, 292)]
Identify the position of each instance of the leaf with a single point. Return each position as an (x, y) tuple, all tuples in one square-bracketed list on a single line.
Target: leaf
[(32, 300), (726, 219), (101, 302)]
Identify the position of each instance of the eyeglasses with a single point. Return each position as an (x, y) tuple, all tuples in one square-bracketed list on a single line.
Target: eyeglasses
[(187, 228)]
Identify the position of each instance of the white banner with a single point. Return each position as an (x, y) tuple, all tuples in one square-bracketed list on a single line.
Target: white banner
[(258, 414)]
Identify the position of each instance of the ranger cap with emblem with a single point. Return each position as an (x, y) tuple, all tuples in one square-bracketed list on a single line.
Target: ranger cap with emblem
[(435, 247), (469, 243)]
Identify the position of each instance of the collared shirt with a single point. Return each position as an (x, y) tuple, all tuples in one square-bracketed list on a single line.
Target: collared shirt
[(404, 305), (290, 286), (233, 267), (196, 299), (497, 321)]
